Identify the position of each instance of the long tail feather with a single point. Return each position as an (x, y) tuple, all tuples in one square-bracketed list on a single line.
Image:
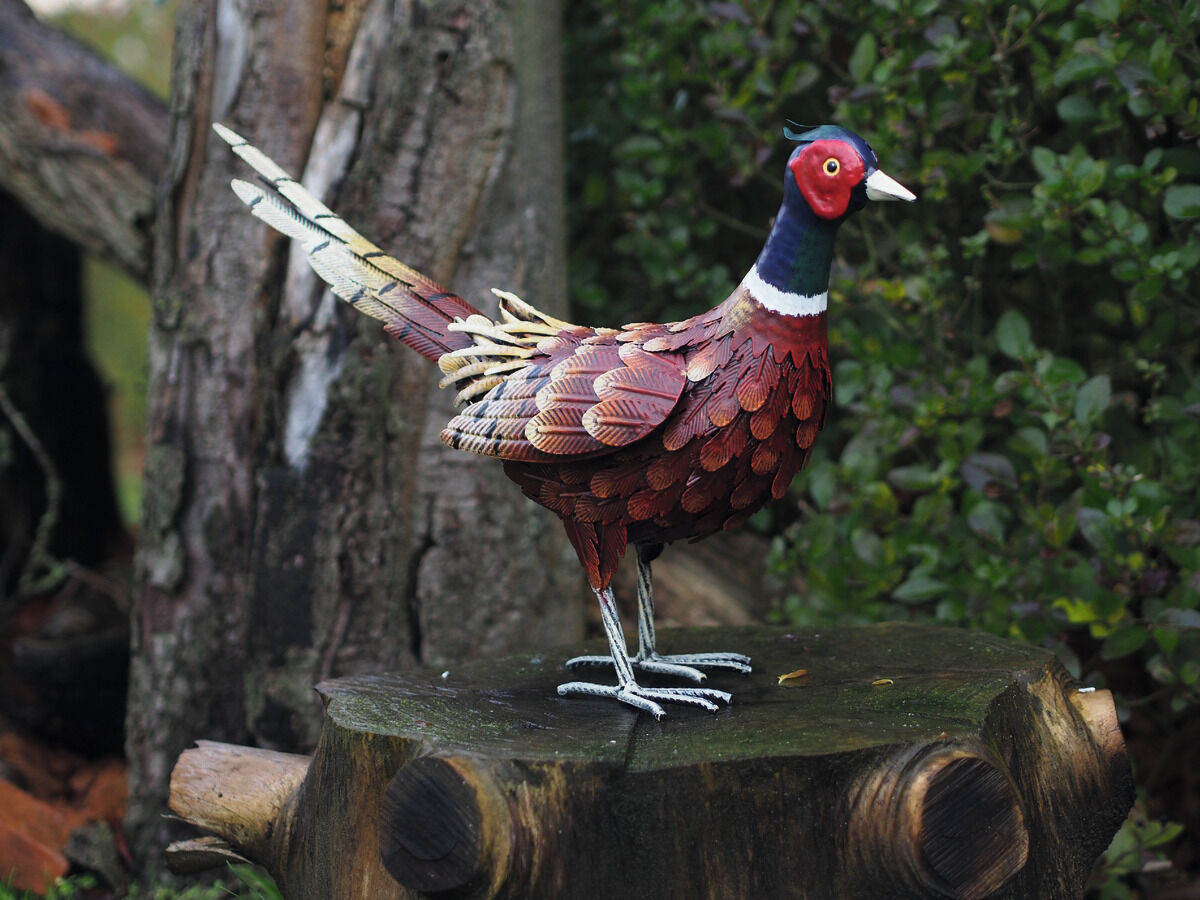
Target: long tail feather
[(416, 309)]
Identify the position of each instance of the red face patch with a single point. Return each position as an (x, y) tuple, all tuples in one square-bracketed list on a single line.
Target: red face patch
[(826, 171)]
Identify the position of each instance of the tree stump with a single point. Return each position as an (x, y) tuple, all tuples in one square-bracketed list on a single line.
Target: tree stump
[(909, 762)]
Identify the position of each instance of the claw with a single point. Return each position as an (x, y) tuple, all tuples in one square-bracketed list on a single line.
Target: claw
[(660, 665), (643, 698), (590, 661), (627, 690), (735, 661)]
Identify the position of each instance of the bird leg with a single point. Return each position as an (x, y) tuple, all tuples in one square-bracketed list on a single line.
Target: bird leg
[(684, 664), (648, 659), (627, 690)]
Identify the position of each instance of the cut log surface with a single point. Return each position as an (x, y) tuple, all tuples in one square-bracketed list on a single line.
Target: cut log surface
[(908, 762)]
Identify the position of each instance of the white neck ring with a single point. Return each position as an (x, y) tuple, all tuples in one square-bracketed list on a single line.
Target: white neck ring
[(783, 302)]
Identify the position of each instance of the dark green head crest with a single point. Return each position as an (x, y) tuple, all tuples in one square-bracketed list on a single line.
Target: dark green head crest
[(802, 135), (807, 134)]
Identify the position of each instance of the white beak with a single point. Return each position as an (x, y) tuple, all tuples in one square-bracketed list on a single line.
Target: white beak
[(885, 187)]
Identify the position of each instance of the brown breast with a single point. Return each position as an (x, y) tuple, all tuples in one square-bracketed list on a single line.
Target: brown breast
[(742, 429)]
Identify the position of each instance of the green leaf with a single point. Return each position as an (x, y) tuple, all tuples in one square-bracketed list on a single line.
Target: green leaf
[(1013, 335), (1167, 640), (1090, 181), (1108, 10), (860, 457), (1140, 105), (1182, 201), (1006, 382), (1092, 398), (981, 469), (1161, 56), (1159, 833), (1097, 529), (1062, 370), (868, 546), (261, 883), (1083, 65), (1045, 161), (913, 478), (918, 589), (1078, 610), (1076, 108), (640, 146), (1144, 292), (1029, 441), (1060, 528), (849, 380), (985, 520), (1123, 641), (862, 59), (821, 486), (1180, 618), (1126, 270), (1189, 672)]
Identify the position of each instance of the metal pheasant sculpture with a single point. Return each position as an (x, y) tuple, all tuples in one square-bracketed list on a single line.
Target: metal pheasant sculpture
[(642, 434)]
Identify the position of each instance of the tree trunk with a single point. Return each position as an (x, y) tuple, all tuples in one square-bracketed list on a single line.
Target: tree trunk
[(301, 520)]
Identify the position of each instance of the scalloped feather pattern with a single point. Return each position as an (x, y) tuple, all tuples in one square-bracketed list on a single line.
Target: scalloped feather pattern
[(651, 432)]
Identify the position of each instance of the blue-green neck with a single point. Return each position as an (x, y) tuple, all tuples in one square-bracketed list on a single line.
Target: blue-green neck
[(799, 250)]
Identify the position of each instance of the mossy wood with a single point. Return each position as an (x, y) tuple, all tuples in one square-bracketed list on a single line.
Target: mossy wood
[(909, 762)]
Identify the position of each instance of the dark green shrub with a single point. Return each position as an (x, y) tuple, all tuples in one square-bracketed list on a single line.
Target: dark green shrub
[(1016, 438)]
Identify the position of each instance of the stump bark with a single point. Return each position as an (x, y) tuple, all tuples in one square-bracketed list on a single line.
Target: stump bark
[(908, 762)]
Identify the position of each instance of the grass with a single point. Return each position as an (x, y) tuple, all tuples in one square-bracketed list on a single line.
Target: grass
[(250, 883)]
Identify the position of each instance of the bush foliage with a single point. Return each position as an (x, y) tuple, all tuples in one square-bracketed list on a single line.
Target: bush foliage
[(1016, 435), (248, 883)]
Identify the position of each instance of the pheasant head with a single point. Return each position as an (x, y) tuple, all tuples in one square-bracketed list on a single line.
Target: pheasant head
[(832, 173)]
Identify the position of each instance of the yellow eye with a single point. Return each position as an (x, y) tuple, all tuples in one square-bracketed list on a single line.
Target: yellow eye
[(831, 166)]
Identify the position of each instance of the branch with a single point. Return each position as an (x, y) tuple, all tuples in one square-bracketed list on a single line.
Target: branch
[(81, 144), (41, 570)]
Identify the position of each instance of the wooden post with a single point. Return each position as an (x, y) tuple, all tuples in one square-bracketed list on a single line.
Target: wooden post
[(909, 762)]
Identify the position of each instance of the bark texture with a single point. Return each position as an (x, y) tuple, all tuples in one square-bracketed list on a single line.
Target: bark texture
[(300, 519), (81, 145)]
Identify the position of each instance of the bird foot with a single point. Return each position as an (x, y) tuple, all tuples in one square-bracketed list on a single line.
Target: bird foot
[(681, 665), (644, 698), (735, 661)]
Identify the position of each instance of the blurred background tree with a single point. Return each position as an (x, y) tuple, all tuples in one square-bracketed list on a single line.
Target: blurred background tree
[(1016, 438), (300, 519)]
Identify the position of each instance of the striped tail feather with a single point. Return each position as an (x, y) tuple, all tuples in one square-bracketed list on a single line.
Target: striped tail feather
[(415, 309)]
